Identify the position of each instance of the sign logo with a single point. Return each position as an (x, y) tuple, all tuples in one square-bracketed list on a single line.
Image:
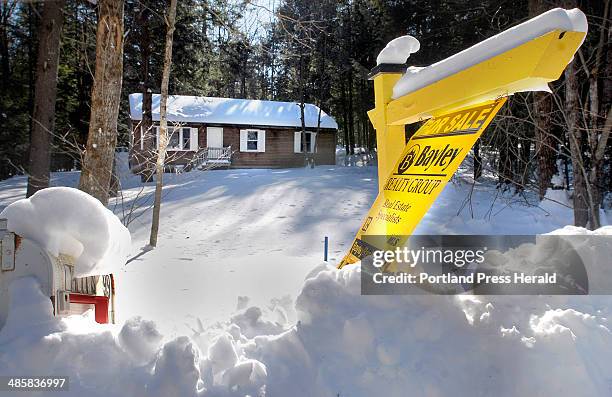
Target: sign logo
[(408, 159), (438, 158), (428, 157)]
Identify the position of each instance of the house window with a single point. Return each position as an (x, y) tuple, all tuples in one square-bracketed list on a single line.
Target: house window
[(306, 145), (181, 138), (186, 138), (150, 135), (173, 142), (252, 140)]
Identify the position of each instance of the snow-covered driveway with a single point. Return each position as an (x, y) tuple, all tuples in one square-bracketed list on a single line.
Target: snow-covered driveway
[(227, 234), (231, 233), (252, 235)]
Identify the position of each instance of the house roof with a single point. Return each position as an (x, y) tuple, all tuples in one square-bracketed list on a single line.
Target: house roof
[(196, 109)]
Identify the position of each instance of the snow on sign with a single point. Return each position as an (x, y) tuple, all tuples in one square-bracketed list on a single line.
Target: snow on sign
[(427, 163), (460, 96)]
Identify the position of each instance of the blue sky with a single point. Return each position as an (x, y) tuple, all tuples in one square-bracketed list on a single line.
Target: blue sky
[(258, 14)]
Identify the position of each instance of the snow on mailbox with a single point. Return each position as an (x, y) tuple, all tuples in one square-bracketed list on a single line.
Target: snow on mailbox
[(70, 243)]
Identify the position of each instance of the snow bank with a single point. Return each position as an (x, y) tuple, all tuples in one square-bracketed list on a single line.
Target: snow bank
[(352, 345), (106, 361), (348, 344), (362, 157), (343, 344), (68, 221), (558, 18)]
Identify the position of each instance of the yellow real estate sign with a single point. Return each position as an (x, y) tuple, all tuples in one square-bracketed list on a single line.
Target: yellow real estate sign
[(426, 164)]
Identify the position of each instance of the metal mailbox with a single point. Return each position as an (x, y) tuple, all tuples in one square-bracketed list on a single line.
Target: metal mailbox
[(21, 257)]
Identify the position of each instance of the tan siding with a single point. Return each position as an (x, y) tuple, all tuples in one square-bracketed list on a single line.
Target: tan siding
[(326, 149), (279, 149)]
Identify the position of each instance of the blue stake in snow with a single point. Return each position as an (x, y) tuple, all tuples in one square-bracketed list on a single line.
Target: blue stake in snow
[(325, 249)]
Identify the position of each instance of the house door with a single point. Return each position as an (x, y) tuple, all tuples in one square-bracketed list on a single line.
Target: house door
[(214, 137)]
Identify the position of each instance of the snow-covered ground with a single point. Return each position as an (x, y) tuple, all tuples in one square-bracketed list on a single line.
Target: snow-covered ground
[(221, 307)]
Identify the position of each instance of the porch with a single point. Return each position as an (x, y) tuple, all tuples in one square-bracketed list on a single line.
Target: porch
[(211, 157)]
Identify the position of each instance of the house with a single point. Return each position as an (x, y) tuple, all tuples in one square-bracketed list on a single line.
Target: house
[(237, 133)]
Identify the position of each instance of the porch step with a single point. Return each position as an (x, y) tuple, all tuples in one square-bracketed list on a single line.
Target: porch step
[(211, 157), (220, 163)]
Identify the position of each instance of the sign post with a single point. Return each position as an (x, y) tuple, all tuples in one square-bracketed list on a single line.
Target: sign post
[(390, 140)]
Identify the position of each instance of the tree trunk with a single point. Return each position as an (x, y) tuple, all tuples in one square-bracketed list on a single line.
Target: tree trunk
[(43, 115), (302, 108), (597, 137), (477, 161), (581, 213), (350, 111), (544, 141), (85, 80), (606, 95), (146, 131), (303, 124), (545, 144), (351, 126), (31, 64), (106, 94), (523, 163), (163, 123), (347, 140), (6, 11), (504, 167)]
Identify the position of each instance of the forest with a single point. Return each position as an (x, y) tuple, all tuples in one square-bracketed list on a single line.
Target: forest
[(292, 50)]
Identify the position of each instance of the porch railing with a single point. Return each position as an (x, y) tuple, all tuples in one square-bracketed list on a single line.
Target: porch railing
[(210, 157)]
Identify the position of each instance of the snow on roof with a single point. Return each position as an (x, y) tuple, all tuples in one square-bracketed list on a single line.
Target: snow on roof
[(196, 109), (558, 18)]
